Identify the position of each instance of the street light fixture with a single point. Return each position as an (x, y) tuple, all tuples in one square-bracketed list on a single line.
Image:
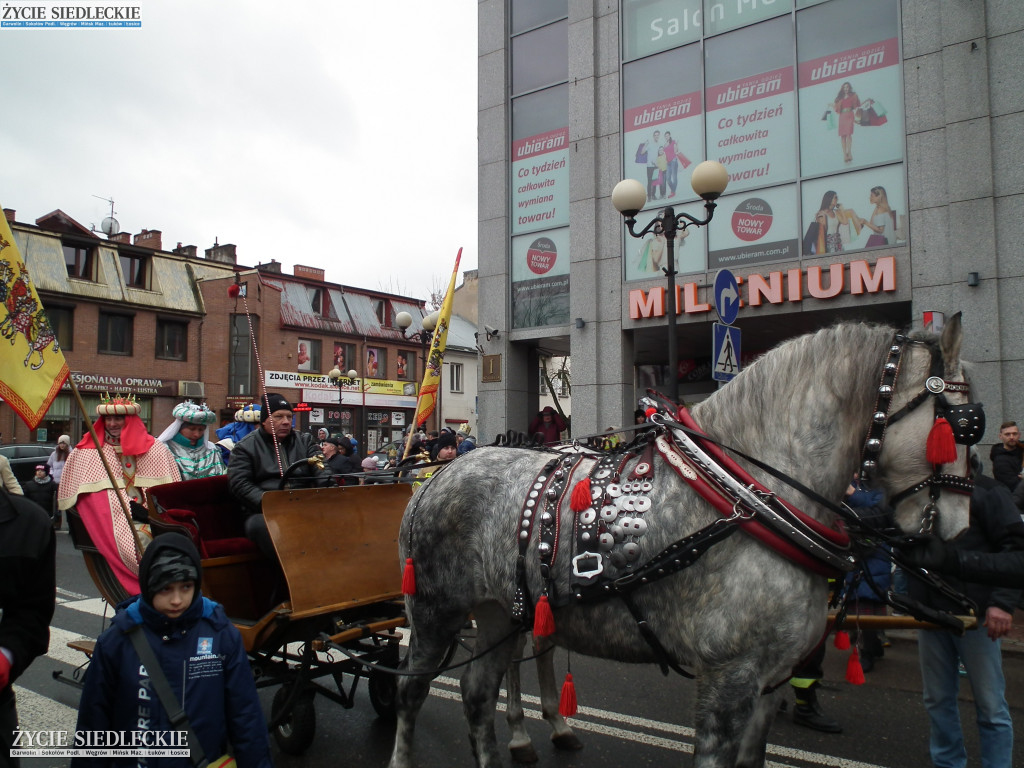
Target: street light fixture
[(709, 180), (429, 323), (351, 377)]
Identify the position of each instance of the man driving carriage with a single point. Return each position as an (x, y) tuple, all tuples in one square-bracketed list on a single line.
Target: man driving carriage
[(259, 461)]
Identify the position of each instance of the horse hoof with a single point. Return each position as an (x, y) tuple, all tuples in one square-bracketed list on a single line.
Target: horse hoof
[(567, 741), (524, 754)]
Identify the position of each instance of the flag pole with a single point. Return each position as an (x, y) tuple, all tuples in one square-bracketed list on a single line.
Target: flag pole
[(110, 474)]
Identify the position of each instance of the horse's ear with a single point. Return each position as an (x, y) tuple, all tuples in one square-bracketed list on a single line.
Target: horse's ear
[(949, 342)]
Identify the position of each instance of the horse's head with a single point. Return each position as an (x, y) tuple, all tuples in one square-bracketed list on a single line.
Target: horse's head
[(924, 380)]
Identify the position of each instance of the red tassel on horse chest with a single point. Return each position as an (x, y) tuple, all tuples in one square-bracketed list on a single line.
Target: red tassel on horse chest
[(567, 703), (543, 619), (941, 445), (408, 578), (854, 671), (580, 498), (842, 640)]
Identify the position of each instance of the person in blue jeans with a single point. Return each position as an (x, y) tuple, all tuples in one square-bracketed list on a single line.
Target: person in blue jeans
[(995, 526)]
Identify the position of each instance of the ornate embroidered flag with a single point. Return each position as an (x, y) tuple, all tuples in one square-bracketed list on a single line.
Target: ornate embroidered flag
[(32, 367), (432, 374)]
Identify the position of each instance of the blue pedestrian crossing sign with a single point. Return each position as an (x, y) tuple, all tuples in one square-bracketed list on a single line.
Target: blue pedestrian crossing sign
[(725, 355), (727, 296)]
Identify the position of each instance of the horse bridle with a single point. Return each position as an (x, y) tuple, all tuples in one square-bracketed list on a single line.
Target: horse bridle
[(966, 421)]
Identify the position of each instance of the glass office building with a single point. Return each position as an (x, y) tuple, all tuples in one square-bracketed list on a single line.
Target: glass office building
[(872, 148)]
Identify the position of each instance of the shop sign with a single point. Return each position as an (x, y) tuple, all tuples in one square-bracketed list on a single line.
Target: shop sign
[(793, 285), (314, 381), (96, 382)]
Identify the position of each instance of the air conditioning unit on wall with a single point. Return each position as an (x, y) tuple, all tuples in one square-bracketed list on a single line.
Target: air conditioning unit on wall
[(191, 389)]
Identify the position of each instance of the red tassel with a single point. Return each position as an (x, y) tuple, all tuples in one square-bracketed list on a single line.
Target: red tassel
[(408, 578), (941, 445), (842, 640), (650, 412), (580, 498), (567, 704), (543, 619), (854, 671)]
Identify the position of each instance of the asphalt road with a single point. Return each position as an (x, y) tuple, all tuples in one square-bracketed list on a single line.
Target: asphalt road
[(629, 715)]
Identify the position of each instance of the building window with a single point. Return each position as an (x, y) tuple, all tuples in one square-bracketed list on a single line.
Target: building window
[(240, 360), (316, 300), (62, 321), (455, 377), (344, 356), (171, 339), (115, 335), (309, 355), (406, 365), (80, 262), (135, 270), (384, 312), (543, 389), (376, 362)]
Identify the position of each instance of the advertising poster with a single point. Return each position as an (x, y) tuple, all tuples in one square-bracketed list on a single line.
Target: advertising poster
[(650, 26), (865, 209), (663, 135), (850, 84), (540, 279), (647, 257), (750, 127), (303, 354), (754, 229), (540, 181)]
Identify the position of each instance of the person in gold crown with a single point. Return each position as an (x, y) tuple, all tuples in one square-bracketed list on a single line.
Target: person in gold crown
[(142, 462)]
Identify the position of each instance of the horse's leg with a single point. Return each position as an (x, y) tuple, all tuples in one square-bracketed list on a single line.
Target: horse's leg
[(429, 640), (561, 734), (482, 680), (755, 741), (520, 744), (726, 701)]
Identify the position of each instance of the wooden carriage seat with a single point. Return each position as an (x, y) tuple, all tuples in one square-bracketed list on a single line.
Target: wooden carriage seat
[(103, 577), (208, 511)]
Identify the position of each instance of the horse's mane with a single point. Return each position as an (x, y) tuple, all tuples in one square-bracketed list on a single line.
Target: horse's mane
[(807, 399)]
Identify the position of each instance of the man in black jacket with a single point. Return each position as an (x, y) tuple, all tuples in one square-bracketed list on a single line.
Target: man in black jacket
[(1007, 457), (28, 586), (260, 459), (995, 526)]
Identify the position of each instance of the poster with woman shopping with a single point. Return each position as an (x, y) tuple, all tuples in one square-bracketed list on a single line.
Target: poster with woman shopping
[(850, 86), (866, 209)]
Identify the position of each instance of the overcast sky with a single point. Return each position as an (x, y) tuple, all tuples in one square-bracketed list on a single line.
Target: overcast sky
[(339, 135)]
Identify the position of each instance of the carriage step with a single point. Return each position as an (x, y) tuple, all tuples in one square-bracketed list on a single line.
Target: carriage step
[(84, 645)]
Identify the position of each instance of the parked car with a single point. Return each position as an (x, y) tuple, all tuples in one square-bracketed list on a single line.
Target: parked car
[(25, 456)]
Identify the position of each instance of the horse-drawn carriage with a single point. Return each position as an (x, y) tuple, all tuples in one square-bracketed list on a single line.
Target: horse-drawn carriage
[(504, 536), (337, 548)]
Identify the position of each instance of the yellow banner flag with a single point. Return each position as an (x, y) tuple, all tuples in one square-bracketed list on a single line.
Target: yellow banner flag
[(432, 375), (32, 367)]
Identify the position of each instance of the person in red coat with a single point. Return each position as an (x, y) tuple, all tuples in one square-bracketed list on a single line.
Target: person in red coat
[(548, 423)]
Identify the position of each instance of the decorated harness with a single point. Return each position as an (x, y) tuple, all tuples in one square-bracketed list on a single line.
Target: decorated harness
[(611, 503)]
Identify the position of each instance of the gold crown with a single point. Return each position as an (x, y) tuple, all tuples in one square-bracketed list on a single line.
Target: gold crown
[(118, 405)]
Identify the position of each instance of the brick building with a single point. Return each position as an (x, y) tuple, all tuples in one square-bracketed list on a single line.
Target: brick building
[(162, 326)]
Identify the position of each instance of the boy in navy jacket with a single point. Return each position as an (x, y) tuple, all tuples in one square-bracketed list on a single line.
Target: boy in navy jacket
[(200, 653)]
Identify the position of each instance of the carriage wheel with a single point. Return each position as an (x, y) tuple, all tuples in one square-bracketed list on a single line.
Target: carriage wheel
[(295, 733), (382, 688)]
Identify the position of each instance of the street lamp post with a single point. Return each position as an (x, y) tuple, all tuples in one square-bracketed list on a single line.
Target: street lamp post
[(340, 378), (429, 323), (629, 197)]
